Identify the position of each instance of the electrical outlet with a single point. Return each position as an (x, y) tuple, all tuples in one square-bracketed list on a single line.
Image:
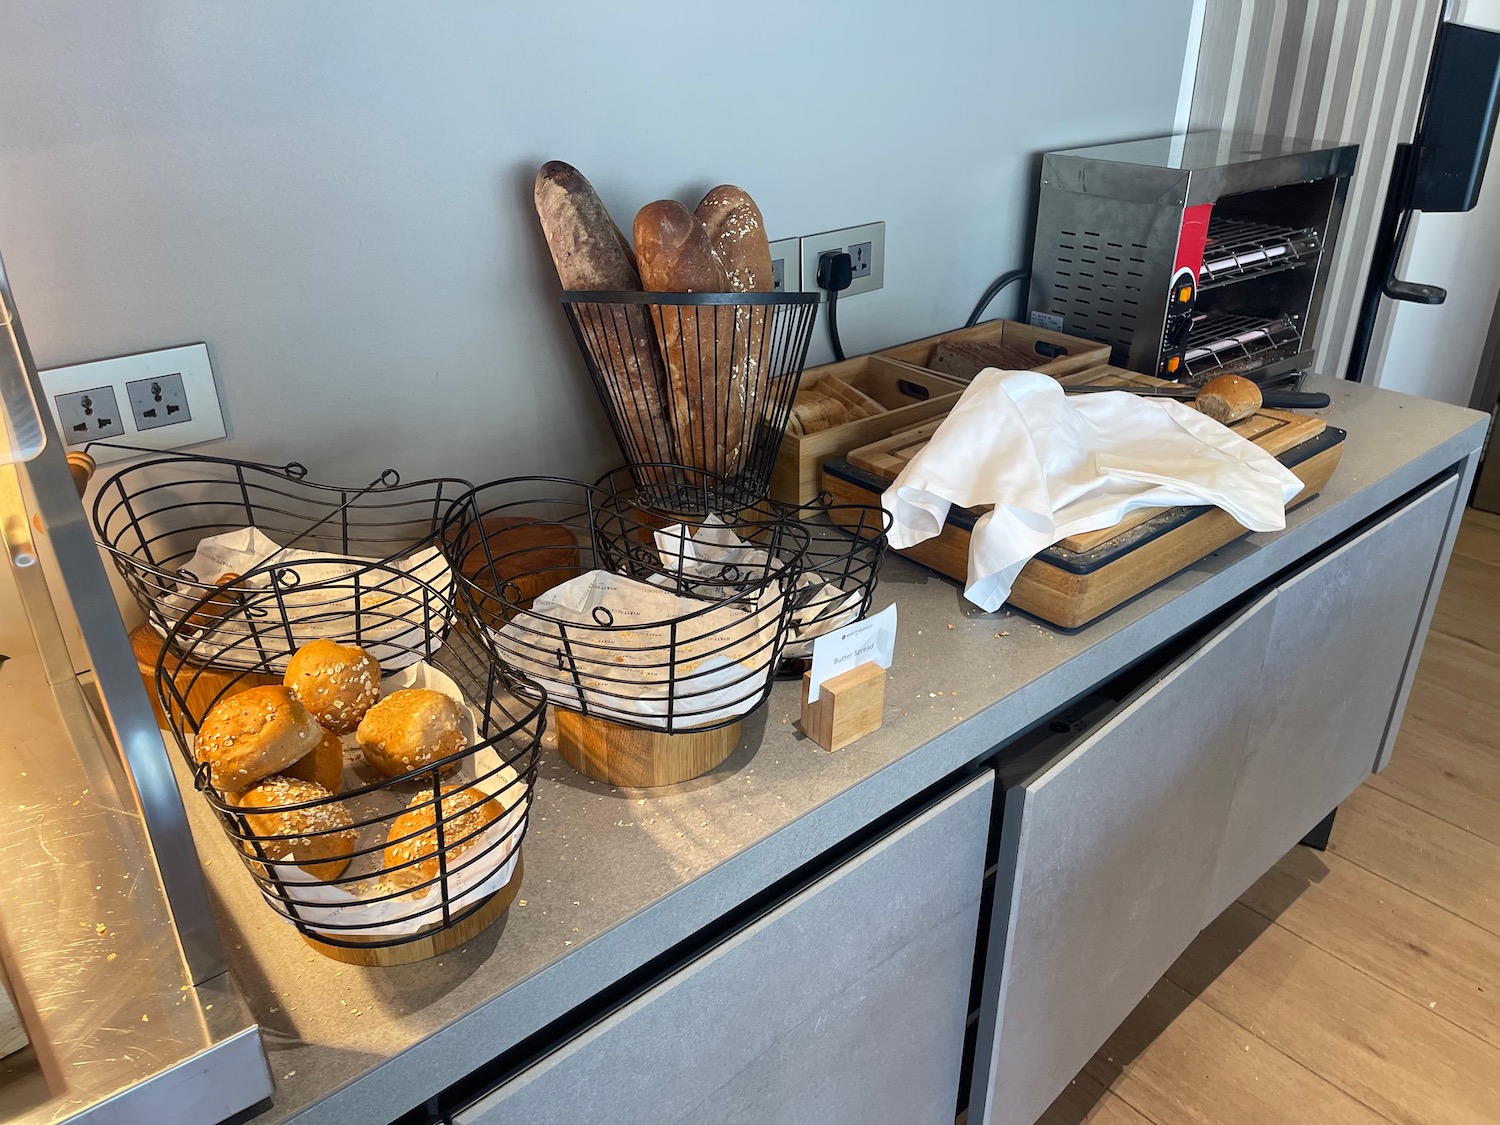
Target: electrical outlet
[(864, 244), (87, 415), (158, 400), (786, 265)]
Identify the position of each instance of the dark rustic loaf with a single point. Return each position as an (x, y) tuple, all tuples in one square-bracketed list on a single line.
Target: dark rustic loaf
[(738, 233), (964, 359), (708, 403), (590, 253)]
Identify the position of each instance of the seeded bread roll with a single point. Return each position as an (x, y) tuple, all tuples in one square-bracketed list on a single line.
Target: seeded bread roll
[(337, 683), (411, 853), (323, 765), (321, 838), (591, 254), (409, 729), (253, 735), (1229, 398), (708, 403)]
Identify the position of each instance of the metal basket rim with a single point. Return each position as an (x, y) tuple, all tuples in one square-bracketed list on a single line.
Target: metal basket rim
[(642, 297)]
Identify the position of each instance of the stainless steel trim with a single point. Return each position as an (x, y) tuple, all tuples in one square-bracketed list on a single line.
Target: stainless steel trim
[(71, 543)]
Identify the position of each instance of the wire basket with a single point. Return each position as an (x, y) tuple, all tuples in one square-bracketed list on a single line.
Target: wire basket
[(327, 863), (837, 573), (154, 516), (699, 380), (620, 612), (840, 570)]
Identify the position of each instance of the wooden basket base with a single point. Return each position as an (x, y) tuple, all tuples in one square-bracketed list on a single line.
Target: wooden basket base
[(435, 942), (623, 755)]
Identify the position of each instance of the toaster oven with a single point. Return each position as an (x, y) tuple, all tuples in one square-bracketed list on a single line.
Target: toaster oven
[(1192, 255)]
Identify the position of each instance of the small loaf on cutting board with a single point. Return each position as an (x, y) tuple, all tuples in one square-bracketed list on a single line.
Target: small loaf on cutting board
[(591, 254), (676, 255)]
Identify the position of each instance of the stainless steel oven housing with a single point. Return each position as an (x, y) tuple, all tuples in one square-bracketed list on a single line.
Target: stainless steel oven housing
[(1165, 246)]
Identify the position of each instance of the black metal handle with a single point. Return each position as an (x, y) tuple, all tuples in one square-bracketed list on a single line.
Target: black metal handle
[(1294, 400)]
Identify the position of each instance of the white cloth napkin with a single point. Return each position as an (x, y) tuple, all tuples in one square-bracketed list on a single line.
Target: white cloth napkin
[(1054, 466)]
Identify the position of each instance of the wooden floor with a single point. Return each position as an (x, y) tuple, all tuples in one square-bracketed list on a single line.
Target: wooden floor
[(1361, 984)]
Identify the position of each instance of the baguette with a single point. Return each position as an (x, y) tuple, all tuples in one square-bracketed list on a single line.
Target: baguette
[(591, 254), (738, 233), (708, 408)]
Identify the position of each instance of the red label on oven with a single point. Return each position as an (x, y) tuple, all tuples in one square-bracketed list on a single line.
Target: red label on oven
[(1192, 238)]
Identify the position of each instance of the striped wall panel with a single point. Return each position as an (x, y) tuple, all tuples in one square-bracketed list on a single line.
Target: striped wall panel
[(1336, 70)]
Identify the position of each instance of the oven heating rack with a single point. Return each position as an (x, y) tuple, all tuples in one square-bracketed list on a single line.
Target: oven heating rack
[(1230, 341), (1239, 249)]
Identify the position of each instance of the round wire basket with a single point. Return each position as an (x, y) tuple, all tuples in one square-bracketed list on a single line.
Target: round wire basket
[(179, 527), (621, 612), (704, 381), (372, 869)]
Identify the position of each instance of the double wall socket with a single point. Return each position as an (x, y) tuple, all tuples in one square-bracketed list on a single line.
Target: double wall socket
[(866, 247), (159, 400), (786, 265)]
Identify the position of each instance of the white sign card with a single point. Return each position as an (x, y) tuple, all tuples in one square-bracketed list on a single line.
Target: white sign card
[(873, 639)]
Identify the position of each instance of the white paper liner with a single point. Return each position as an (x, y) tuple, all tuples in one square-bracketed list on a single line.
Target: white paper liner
[(483, 867), (396, 618), (623, 664)]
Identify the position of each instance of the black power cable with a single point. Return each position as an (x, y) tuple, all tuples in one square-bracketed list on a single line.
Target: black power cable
[(835, 274), (994, 291)]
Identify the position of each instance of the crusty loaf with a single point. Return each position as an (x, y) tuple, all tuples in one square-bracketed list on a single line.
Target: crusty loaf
[(1229, 398), (591, 254), (738, 233), (708, 406)]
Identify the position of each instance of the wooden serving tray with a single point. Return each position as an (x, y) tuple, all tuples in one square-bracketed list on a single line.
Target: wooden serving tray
[(1085, 576)]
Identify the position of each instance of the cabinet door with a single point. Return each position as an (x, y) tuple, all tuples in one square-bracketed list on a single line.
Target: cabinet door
[(1105, 859), (845, 1004), (1341, 637)]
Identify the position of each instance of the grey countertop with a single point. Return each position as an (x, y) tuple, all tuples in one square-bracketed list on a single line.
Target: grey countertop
[(615, 877)]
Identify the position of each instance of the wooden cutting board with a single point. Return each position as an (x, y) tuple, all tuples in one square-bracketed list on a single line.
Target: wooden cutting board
[(1084, 576)]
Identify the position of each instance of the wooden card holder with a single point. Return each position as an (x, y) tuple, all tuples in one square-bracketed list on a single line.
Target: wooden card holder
[(849, 706)]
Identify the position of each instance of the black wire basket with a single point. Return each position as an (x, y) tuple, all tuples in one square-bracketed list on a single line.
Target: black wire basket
[(840, 570), (837, 573), (620, 611), (324, 860), (153, 517), (699, 380)]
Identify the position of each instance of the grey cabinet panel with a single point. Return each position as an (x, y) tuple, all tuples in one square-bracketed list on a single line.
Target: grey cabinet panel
[(845, 1004), (1105, 859), (1340, 640)]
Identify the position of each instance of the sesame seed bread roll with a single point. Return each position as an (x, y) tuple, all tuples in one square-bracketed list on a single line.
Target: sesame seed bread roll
[(254, 734)]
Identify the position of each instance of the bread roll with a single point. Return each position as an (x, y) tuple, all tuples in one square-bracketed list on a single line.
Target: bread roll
[(590, 253), (253, 735), (1229, 398), (410, 729), (323, 765), (413, 838), (337, 683), (708, 402), (321, 838)]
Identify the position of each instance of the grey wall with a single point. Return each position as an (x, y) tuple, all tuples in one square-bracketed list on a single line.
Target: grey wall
[(336, 196)]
